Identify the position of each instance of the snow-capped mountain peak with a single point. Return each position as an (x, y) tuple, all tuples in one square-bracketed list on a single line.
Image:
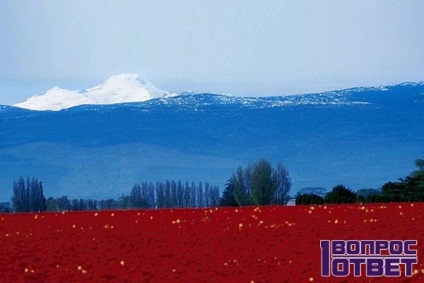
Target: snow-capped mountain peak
[(117, 89)]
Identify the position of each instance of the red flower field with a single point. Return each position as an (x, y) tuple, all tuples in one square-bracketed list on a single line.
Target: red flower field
[(253, 244)]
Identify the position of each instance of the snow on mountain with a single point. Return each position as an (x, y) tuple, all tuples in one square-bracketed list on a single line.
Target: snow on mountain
[(117, 89)]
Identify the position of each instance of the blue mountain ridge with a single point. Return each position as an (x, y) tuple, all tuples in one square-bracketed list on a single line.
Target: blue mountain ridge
[(359, 137)]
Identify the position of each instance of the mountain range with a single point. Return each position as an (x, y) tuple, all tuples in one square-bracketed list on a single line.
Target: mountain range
[(359, 137), (117, 89)]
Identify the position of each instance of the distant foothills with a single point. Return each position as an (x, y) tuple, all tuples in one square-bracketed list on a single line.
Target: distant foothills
[(101, 145), (256, 185)]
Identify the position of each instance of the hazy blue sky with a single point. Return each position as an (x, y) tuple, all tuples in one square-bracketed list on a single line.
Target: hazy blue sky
[(240, 47)]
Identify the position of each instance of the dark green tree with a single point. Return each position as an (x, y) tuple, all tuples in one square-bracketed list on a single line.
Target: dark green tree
[(367, 195), (227, 198), (64, 203), (28, 195), (91, 204), (410, 188), (51, 204), (138, 198), (75, 205), (213, 196), (241, 183), (160, 196), (125, 202), (108, 204), (340, 194), (307, 199), (200, 195), (393, 192), (414, 183), (20, 201), (263, 185), (319, 191), (283, 185)]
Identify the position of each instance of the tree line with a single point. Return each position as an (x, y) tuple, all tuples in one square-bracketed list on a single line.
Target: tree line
[(172, 194), (28, 197), (408, 189), (259, 183)]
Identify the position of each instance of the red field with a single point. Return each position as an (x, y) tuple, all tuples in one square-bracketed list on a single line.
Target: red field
[(254, 244)]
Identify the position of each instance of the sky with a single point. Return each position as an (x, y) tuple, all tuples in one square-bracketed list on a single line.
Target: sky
[(253, 48)]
